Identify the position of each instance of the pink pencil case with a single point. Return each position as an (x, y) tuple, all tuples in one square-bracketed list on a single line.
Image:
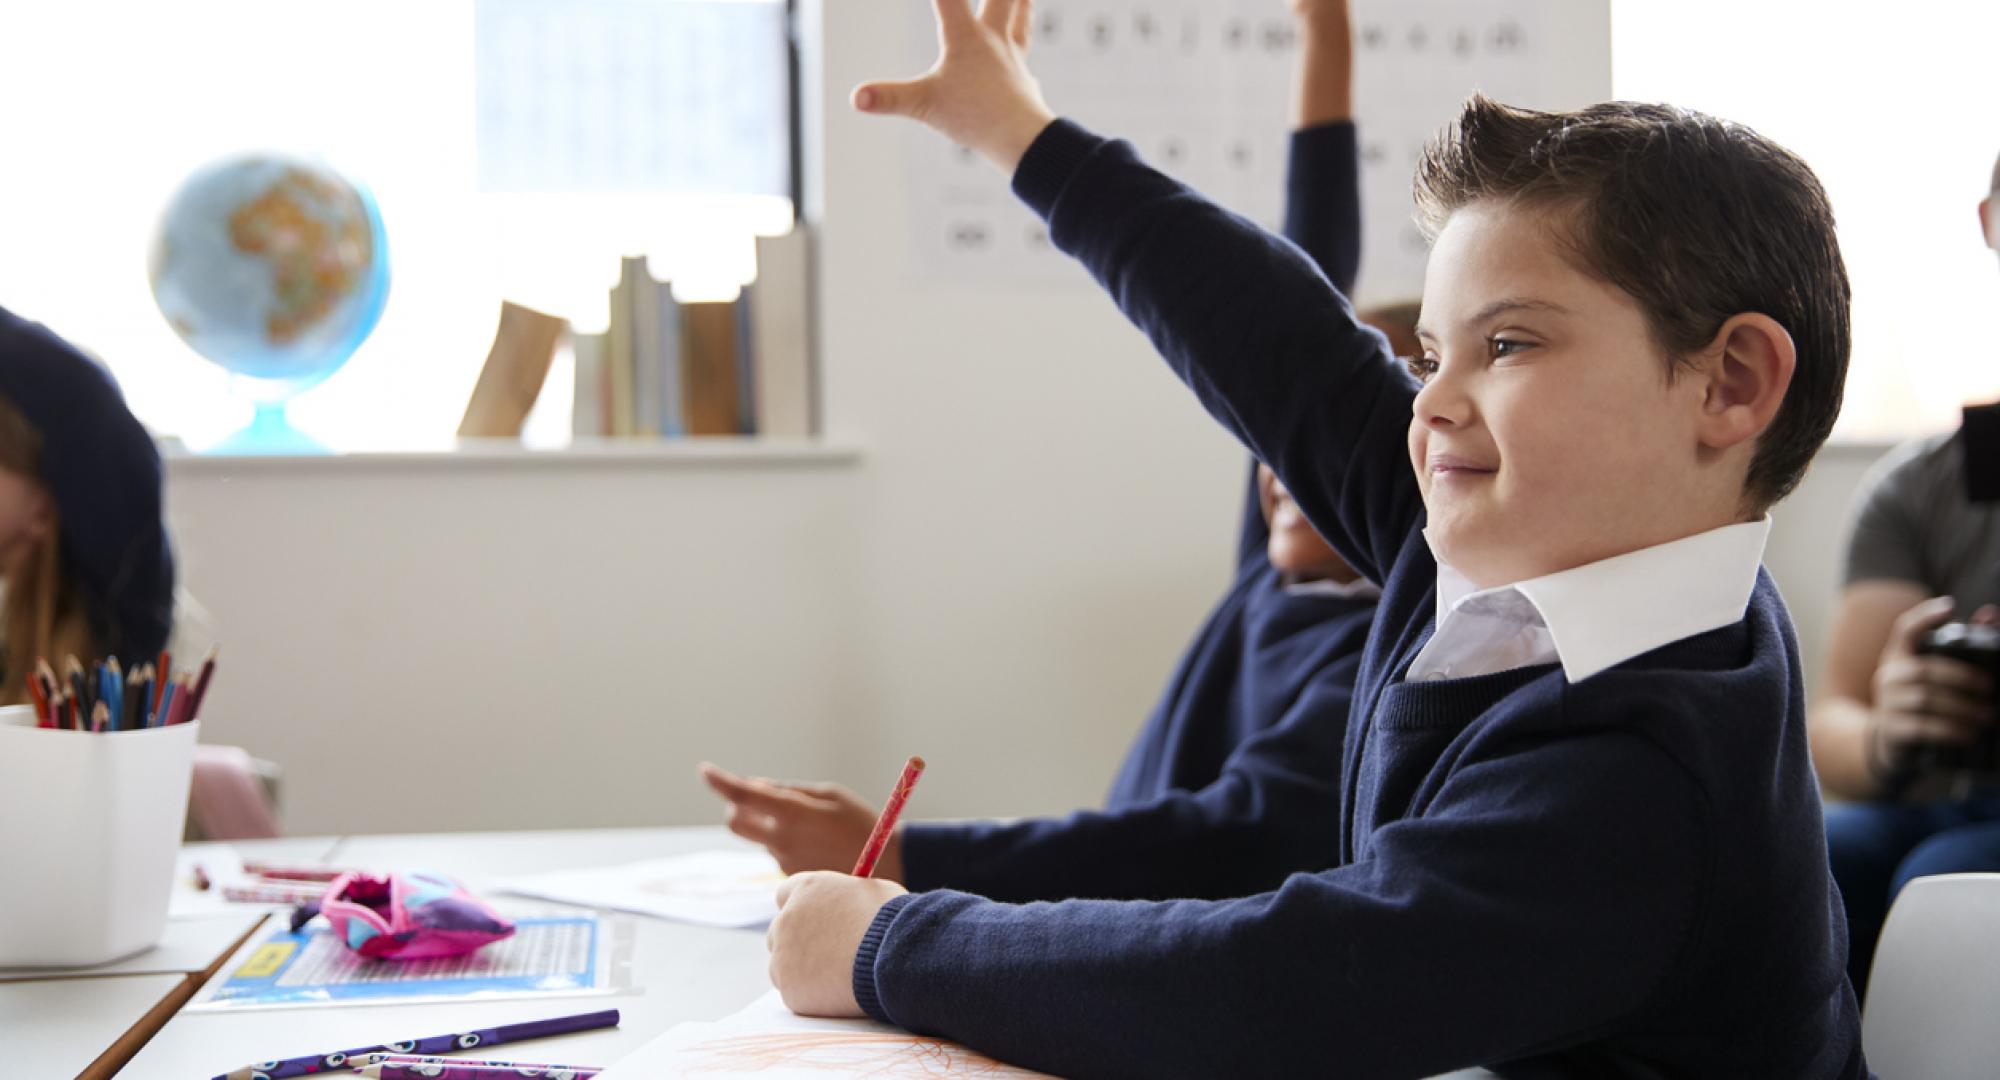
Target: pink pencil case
[(413, 916)]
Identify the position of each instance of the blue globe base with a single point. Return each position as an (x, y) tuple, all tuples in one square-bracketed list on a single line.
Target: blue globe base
[(270, 432)]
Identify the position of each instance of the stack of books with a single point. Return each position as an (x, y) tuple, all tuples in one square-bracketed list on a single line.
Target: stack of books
[(667, 369)]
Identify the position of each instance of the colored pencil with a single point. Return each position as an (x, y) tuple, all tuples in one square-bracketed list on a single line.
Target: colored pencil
[(100, 715), (447, 1069), (293, 871), (128, 699), (379, 1058), (201, 682), (272, 893), (114, 690), (467, 1040), (183, 700), (43, 717), (162, 668), (160, 711), (886, 823), (78, 690)]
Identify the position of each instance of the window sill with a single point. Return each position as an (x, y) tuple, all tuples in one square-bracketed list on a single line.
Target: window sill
[(706, 452)]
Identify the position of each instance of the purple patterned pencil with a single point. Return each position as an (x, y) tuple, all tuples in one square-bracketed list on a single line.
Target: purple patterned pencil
[(447, 1069), (277, 1069), (380, 1058)]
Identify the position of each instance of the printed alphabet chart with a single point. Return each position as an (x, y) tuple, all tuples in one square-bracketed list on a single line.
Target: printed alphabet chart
[(1205, 91)]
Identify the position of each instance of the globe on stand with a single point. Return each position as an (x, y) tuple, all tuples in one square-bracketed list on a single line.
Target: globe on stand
[(276, 269)]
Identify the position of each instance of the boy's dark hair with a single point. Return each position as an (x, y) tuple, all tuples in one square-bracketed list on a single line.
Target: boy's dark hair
[(1696, 218)]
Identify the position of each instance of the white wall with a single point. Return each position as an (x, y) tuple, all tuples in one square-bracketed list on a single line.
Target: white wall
[(1037, 519), (1000, 579)]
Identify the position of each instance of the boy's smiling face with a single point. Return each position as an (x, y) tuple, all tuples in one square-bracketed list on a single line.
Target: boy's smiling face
[(1547, 434)]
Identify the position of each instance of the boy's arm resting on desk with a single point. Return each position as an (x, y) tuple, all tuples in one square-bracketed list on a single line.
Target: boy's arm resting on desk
[(1269, 347), (1274, 810), (1542, 897)]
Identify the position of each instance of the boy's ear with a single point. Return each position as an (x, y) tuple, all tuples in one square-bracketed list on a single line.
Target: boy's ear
[(1989, 222), (1749, 370)]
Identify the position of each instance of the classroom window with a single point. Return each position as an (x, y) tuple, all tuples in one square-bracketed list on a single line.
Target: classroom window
[(1893, 107), (108, 106)]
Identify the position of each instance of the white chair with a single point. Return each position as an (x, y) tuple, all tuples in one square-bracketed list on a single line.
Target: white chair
[(1934, 994)]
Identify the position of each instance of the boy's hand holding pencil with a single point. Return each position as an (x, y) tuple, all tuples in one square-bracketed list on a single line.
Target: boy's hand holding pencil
[(823, 916), (980, 93)]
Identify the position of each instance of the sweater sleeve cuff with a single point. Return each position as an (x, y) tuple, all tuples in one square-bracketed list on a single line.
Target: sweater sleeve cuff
[(1336, 141), (1050, 162), (864, 959)]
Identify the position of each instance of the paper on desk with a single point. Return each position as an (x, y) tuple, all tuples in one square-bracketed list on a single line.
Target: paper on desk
[(571, 953), (768, 1040), (727, 889)]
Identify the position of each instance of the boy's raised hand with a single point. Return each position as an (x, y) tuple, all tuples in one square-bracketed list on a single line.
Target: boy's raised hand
[(980, 93), (803, 826)]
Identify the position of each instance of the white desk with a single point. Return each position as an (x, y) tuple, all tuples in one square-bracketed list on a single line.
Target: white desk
[(57, 1027), (678, 972), (59, 1021)]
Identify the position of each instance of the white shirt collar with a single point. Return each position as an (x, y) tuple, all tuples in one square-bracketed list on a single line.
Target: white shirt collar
[(1598, 615)]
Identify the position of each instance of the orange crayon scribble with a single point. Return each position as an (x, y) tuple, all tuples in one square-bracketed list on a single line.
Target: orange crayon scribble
[(881, 1055)]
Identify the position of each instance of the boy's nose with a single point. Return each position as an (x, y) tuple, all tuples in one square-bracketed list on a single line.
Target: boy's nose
[(1442, 403)]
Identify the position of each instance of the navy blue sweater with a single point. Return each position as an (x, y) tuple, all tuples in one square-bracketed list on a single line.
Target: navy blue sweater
[(1232, 783), (1623, 876)]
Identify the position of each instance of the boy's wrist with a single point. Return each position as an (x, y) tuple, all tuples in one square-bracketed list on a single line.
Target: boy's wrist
[(1011, 142)]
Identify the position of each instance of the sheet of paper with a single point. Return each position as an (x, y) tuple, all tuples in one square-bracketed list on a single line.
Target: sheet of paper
[(726, 889), (547, 956), (768, 1040)]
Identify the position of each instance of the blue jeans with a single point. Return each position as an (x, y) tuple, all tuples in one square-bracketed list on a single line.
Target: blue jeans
[(1877, 848)]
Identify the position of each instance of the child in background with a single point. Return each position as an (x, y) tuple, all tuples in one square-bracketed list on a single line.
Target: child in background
[(1580, 832), (1231, 785), (84, 554)]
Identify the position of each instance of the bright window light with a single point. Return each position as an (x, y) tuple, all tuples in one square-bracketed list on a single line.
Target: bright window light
[(108, 106), (1893, 106)]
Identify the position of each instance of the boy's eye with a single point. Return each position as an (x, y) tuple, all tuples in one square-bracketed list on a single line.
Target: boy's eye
[(1500, 347), (1421, 367)]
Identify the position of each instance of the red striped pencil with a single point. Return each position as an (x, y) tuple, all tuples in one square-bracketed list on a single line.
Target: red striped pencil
[(886, 824), (162, 672), (43, 717)]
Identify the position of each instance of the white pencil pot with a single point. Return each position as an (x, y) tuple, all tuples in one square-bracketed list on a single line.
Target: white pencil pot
[(89, 827)]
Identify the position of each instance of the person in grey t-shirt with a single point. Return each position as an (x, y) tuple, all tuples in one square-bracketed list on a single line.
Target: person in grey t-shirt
[(1920, 553)]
